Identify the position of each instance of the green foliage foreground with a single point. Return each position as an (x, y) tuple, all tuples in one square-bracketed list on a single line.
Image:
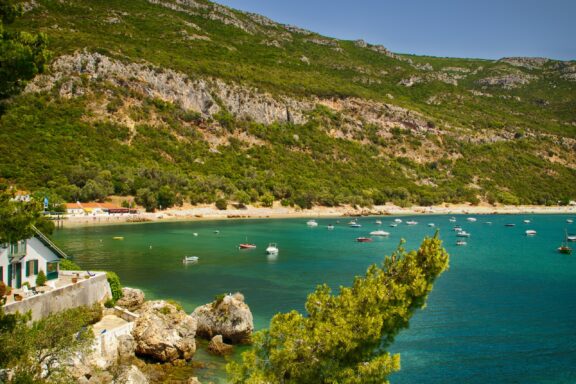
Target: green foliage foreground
[(343, 338)]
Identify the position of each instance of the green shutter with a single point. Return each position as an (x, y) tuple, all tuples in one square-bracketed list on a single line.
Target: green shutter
[(35, 267), (2, 274), (27, 273), (9, 282)]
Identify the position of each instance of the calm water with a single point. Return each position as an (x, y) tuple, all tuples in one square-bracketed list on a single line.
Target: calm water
[(505, 311)]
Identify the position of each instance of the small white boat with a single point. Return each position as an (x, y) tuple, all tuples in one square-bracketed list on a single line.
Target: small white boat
[(452, 219), (330, 227), (571, 238), (471, 219), (118, 238), (195, 234), (272, 249), (463, 234), (526, 221), (190, 259), (397, 220), (530, 232), (457, 228), (488, 223), (379, 222), (354, 224), (216, 231), (380, 233), (312, 223), (411, 222), (569, 221), (393, 225), (461, 242), (431, 224)]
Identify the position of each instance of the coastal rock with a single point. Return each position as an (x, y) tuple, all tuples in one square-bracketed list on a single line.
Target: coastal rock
[(218, 347), (126, 347), (132, 299), (131, 375), (164, 332), (229, 317)]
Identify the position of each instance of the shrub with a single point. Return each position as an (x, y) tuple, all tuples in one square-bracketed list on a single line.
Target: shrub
[(109, 303), (221, 204), (115, 285), (175, 304), (218, 299), (69, 265), (41, 278), (3, 289)]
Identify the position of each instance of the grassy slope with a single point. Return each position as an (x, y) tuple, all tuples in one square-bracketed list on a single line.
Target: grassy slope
[(47, 137)]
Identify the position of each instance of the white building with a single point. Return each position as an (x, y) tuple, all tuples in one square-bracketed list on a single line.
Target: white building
[(21, 262)]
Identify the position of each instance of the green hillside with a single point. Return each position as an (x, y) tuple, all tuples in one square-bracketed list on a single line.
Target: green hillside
[(186, 100)]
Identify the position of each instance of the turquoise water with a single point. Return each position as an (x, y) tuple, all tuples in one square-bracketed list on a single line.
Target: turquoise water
[(505, 311)]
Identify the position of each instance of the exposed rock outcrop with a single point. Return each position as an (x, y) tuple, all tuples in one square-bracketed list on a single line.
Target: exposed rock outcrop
[(164, 332), (507, 81), (229, 317), (131, 375), (132, 299), (218, 347), (526, 62)]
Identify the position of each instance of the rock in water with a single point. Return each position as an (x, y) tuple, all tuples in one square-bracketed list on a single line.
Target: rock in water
[(164, 332), (229, 317), (132, 299), (218, 347), (132, 375)]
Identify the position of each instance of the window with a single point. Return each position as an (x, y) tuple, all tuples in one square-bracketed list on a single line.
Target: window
[(31, 267), (52, 270)]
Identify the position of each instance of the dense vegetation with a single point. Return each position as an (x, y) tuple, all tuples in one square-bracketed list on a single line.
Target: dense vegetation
[(512, 145), (343, 338)]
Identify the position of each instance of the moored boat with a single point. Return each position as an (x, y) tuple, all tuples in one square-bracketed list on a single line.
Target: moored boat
[(380, 233), (571, 238), (118, 238), (462, 234), (564, 248), (354, 224), (190, 259), (312, 223), (247, 246), (461, 242), (471, 219), (272, 249), (363, 239), (378, 222), (569, 221), (530, 232), (526, 221), (431, 224), (330, 226), (397, 220), (411, 222), (509, 225), (452, 219), (393, 225)]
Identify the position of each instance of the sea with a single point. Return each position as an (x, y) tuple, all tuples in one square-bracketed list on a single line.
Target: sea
[(504, 312)]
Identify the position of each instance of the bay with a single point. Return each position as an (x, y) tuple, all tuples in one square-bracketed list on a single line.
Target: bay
[(505, 311)]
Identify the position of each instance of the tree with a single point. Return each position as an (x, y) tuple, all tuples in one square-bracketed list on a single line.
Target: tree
[(166, 197), (17, 219), (38, 352), (41, 278), (267, 199), (146, 198), (22, 55), (221, 204), (343, 338)]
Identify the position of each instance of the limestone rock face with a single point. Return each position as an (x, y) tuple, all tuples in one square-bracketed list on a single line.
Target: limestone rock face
[(126, 347), (132, 375), (164, 332), (229, 317), (218, 347), (132, 299)]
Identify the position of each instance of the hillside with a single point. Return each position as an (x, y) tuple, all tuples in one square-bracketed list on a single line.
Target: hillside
[(175, 100)]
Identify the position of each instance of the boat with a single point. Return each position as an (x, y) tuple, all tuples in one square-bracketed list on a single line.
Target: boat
[(247, 246), (216, 231), (379, 222), (363, 239), (431, 224), (457, 228), (190, 259), (330, 226), (380, 233), (118, 238), (272, 249), (195, 234), (564, 248), (571, 238), (530, 232), (569, 221), (471, 219), (393, 225), (452, 219), (312, 223), (526, 221), (354, 224), (488, 223), (509, 225), (397, 220), (411, 222), (461, 242), (463, 234)]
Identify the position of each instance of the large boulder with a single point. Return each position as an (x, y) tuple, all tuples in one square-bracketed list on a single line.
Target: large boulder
[(132, 299), (164, 332), (228, 316), (131, 375), (218, 347)]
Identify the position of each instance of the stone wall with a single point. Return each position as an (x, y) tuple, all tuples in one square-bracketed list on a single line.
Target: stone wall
[(85, 292)]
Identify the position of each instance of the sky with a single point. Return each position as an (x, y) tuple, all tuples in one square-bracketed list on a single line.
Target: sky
[(488, 29)]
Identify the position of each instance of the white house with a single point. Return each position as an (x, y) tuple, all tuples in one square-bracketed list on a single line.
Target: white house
[(21, 262)]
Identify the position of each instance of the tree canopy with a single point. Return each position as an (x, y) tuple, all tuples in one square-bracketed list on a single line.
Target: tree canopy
[(343, 338)]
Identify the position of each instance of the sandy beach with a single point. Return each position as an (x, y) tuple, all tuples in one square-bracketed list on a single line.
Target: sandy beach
[(210, 212)]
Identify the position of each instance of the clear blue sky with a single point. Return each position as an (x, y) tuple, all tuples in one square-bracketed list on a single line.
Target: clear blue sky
[(457, 28)]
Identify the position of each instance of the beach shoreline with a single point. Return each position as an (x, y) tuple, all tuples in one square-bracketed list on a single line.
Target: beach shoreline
[(210, 212)]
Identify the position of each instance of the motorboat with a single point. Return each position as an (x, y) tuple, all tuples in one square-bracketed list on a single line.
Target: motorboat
[(354, 224), (380, 233), (190, 259), (379, 222), (530, 232), (452, 219), (330, 227), (462, 234), (457, 228), (569, 221), (461, 242), (272, 249), (247, 246), (471, 219), (393, 225), (526, 221), (363, 239), (571, 238), (510, 225), (195, 234), (431, 224), (488, 223), (397, 220), (411, 222), (118, 238), (312, 223), (216, 231)]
